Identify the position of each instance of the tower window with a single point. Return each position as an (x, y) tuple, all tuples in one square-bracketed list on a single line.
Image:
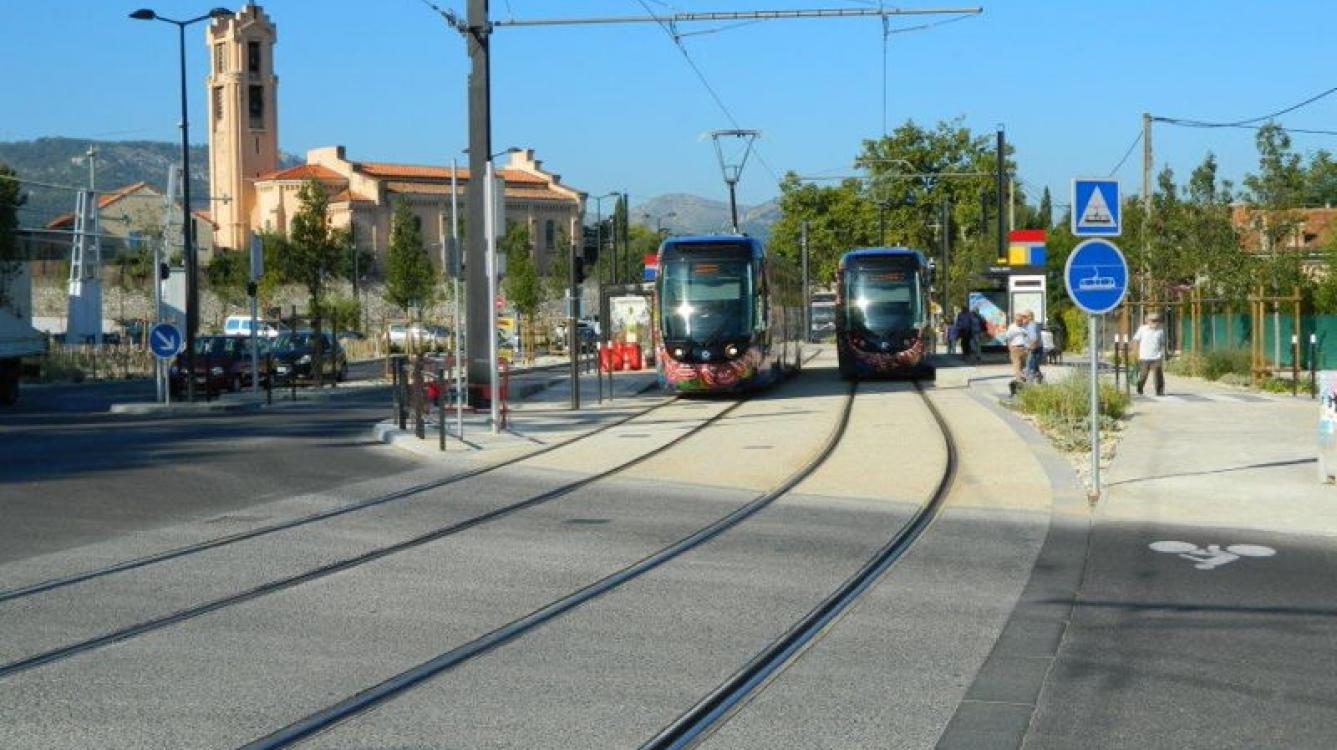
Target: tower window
[(256, 106), (220, 58), (253, 58), (218, 103)]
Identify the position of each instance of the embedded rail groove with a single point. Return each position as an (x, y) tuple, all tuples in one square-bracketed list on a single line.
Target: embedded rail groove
[(241, 536), (406, 680), (275, 586), (701, 720)]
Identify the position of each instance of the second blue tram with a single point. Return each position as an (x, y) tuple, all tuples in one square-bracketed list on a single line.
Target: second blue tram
[(728, 317), (882, 314)]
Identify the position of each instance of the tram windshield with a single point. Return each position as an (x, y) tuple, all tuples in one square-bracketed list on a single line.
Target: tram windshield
[(882, 299), (706, 300)]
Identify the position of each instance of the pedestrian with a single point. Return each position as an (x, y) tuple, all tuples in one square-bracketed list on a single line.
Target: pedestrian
[(1016, 339), (965, 331), (981, 332), (1035, 349), (1150, 338)]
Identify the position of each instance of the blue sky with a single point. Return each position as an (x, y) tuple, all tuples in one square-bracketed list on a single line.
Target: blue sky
[(617, 107)]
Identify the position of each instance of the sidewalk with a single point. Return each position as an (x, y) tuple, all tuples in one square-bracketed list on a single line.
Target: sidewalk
[(1206, 614), (537, 417)]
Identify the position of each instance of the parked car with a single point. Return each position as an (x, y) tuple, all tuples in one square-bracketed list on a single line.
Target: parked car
[(240, 325), (221, 362), (294, 356), (421, 335)]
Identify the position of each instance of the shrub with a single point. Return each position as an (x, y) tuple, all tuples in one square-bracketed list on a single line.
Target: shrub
[(1220, 362), (1184, 364)]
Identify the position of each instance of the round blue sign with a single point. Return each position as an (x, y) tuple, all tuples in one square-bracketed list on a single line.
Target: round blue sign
[(165, 340), (1096, 276)]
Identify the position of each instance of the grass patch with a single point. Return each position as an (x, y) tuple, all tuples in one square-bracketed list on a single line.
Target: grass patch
[(1062, 410)]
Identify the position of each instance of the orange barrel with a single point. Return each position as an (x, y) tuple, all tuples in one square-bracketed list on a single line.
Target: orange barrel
[(605, 358)]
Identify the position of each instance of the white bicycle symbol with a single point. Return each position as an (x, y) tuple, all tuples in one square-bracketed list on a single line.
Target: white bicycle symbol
[(1212, 556)]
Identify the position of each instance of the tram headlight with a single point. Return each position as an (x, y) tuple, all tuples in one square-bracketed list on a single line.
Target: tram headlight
[(886, 345), (678, 352), (731, 351)]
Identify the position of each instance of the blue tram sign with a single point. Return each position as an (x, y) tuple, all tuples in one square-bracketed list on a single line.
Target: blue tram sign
[(1096, 276), (1095, 207)]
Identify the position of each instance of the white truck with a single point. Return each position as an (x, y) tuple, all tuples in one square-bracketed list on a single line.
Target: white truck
[(18, 339)]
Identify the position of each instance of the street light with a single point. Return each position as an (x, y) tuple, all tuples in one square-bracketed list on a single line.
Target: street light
[(659, 221), (187, 229), (598, 233)]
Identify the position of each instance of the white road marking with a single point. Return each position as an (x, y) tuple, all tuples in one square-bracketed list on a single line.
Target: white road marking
[(1212, 556)]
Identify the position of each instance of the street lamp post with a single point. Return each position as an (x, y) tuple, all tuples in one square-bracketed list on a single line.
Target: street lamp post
[(491, 224), (598, 250), (187, 229)]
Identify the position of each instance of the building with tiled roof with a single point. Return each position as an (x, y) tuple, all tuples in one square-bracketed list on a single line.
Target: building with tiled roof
[(258, 196), (1308, 230), (138, 211)]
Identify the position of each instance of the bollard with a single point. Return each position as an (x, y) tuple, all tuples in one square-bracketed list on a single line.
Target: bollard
[(393, 371), (1313, 366), (419, 424), (401, 375), (441, 406), (269, 378)]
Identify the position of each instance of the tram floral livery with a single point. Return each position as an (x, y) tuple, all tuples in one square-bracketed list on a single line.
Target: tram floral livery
[(728, 318), (882, 317)]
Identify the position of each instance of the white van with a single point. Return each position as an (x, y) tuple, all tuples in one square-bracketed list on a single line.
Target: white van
[(240, 325)]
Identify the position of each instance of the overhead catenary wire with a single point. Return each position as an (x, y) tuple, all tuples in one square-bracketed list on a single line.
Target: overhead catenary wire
[(1247, 121), (677, 42), (1127, 153)]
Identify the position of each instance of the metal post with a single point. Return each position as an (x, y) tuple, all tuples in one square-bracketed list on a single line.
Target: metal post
[(187, 235), (572, 339), (1000, 188), (1313, 366), (1095, 407), (807, 291), (459, 352), (419, 423), (946, 260), (481, 338), (626, 236), (441, 406), (161, 371), (490, 246)]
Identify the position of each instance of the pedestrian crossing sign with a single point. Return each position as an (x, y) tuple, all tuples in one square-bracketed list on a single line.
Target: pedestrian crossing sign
[(1095, 203)]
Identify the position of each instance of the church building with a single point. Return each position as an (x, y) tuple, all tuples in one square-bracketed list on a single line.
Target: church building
[(251, 193)]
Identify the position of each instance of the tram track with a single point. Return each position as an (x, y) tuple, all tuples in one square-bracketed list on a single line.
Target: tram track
[(274, 586), (401, 683), (54, 584), (699, 722)]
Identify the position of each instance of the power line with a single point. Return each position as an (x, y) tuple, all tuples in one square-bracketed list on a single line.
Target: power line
[(677, 42), (1216, 126), (1127, 153), (1249, 121)]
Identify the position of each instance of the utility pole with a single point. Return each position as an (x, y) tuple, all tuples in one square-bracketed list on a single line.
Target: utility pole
[(1146, 202), (572, 315), (807, 291), (477, 33), (626, 236), (1000, 187), (945, 221)]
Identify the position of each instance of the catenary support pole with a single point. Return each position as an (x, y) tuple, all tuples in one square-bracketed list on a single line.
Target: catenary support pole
[(1000, 190), (460, 364), (490, 220), (572, 316), (480, 339), (807, 289)]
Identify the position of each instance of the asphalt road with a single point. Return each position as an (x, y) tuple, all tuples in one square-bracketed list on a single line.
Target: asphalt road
[(68, 479)]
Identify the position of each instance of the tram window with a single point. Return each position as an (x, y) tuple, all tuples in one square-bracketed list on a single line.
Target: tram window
[(703, 301)]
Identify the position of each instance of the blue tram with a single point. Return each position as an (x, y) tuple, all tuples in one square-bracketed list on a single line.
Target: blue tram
[(727, 316), (882, 314)]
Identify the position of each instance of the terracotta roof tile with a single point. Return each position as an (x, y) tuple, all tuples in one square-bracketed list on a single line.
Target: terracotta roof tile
[(104, 199), (302, 172), (349, 196)]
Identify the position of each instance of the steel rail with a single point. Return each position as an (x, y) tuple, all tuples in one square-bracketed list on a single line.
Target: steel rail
[(701, 720), (208, 544), (282, 584), (404, 681)]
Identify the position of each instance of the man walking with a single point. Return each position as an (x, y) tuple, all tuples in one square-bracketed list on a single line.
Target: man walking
[(964, 326), (1035, 346), (1150, 338), (1018, 346)]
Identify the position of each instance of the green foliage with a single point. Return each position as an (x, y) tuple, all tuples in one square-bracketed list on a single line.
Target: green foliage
[(1063, 409), (522, 285), (409, 278), (1220, 362), (11, 198), (343, 313), (227, 274), (1074, 319), (314, 253)]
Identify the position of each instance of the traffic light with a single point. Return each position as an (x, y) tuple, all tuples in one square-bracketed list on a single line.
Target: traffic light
[(580, 270), (164, 271), (590, 245)]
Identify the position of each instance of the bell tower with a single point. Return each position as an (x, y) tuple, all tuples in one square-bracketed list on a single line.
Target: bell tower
[(242, 93)]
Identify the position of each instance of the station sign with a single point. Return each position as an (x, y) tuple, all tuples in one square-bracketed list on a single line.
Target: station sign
[(1095, 207)]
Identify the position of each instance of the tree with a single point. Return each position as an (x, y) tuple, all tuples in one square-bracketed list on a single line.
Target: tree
[(522, 285), (409, 278), (11, 198), (227, 275), (1321, 180), (1046, 211), (315, 255)]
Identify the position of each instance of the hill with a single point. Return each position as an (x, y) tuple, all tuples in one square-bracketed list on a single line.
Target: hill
[(684, 213), (63, 162)]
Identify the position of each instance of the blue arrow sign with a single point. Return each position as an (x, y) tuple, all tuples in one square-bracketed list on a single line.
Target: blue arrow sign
[(165, 340), (1096, 276), (1095, 211)]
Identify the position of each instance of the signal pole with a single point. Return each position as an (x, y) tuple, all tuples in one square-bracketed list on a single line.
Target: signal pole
[(1001, 191), (1146, 200)]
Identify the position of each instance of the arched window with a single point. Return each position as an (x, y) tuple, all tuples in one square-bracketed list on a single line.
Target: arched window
[(549, 235)]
